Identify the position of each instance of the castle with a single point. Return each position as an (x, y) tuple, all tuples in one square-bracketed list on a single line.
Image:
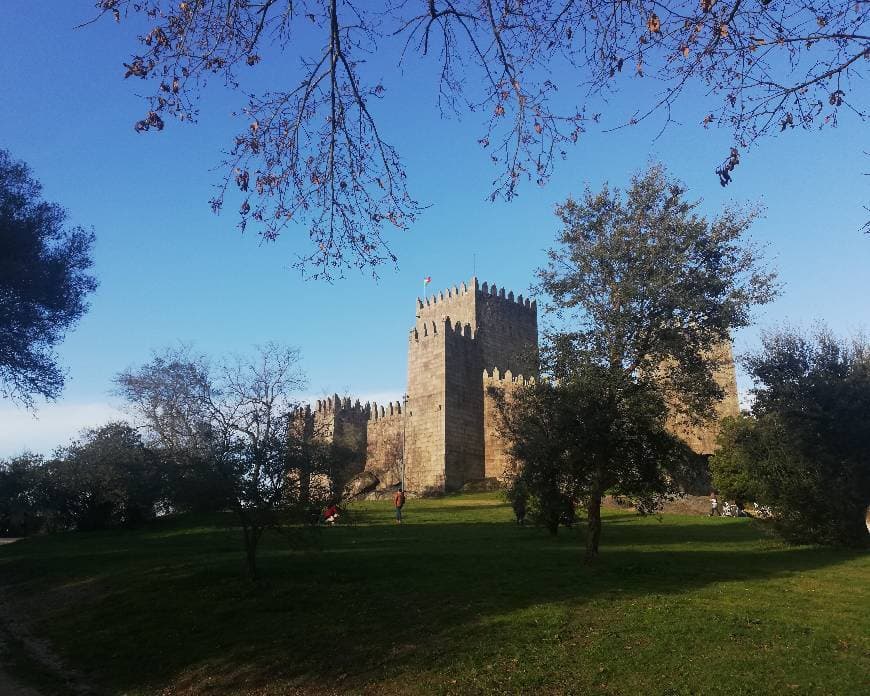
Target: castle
[(464, 341)]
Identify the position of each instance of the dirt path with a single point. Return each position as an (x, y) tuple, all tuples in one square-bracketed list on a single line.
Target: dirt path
[(19, 645)]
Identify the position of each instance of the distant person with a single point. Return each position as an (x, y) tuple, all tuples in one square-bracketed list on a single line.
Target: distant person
[(331, 514), (714, 504), (520, 508), (399, 501)]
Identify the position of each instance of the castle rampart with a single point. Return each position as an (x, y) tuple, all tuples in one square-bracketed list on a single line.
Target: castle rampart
[(465, 340), (384, 436), (496, 459)]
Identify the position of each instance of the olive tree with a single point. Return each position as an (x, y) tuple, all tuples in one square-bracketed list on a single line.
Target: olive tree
[(45, 281), (642, 290)]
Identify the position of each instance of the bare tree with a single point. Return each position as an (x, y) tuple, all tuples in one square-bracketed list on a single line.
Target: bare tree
[(311, 150), (234, 416)]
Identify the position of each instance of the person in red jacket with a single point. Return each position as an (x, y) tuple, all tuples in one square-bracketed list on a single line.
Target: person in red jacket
[(330, 515), (399, 501)]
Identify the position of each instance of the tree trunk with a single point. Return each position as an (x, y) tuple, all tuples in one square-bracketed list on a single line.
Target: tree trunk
[(304, 486), (593, 533), (252, 539)]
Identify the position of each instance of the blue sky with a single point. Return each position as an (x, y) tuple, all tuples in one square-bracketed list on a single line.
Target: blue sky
[(170, 270)]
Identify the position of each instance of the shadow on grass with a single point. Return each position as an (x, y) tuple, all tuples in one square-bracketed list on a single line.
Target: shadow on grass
[(175, 609)]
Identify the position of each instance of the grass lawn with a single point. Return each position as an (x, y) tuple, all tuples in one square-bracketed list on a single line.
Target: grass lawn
[(456, 600)]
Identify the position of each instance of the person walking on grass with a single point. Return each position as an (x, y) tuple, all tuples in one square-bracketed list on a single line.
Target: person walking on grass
[(399, 501), (714, 504)]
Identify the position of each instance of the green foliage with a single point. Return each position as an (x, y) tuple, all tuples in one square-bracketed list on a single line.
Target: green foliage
[(643, 285), (106, 479), (581, 437), (44, 284), (732, 465), (193, 484), (644, 291), (19, 511), (457, 600), (806, 450)]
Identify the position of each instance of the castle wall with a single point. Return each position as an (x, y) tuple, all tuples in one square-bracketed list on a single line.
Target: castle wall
[(463, 407), (457, 302), (425, 443), (701, 437), (473, 327), (344, 424), (507, 331), (465, 339), (496, 459), (505, 326), (384, 443)]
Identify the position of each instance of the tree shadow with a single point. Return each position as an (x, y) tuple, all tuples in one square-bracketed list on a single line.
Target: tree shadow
[(375, 599)]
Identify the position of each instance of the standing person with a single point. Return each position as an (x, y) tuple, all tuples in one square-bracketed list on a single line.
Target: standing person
[(714, 504), (520, 508), (399, 501)]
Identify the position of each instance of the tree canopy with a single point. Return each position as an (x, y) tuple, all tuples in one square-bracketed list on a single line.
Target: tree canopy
[(44, 284), (643, 290), (312, 151), (804, 450), (643, 285)]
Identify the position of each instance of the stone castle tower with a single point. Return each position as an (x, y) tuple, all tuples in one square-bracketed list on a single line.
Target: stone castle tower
[(456, 337), (463, 341)]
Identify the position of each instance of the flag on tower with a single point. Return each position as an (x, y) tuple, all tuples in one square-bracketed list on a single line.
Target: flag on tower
[(427, 280)]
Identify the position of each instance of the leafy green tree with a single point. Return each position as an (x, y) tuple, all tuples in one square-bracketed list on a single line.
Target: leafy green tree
[(643, 291), (20, 513), (532, 422), (580, 436), (732, 467), (44, 284), (806, 450), (106, 479)]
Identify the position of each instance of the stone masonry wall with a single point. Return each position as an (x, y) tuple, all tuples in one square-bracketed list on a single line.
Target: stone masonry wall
[(496, 459), (425, 444), (702, 437), (465, 339), (507, 330), (457, 302), (473, 327), (463, 407), (384, 443)]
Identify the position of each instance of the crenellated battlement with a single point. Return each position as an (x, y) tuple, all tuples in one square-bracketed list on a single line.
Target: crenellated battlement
[(447, 296), (333, 404), (493, 291), (460, 300), (495, 378), (470, 344), (391, 410), (442, 328)]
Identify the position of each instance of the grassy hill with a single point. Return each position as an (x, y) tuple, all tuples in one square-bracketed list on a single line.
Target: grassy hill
[(457, 600)]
